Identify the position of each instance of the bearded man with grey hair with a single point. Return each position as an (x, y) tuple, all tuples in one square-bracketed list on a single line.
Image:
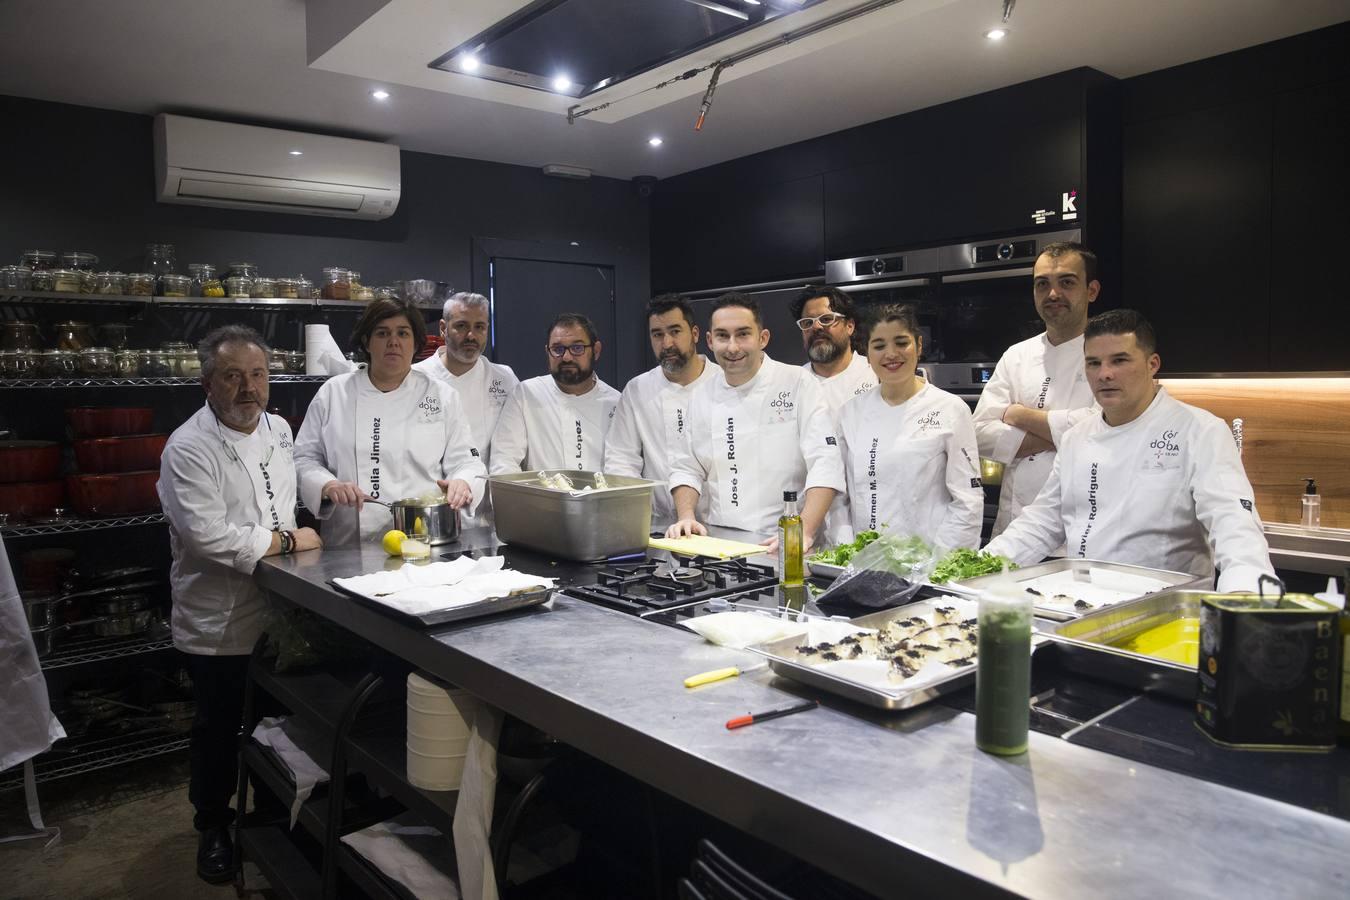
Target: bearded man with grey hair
[(227, 485), (482, 386)]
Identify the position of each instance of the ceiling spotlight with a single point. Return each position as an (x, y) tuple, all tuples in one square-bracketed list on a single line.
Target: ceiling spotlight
[(996, 34), (468, 63), (297, 153), (380, 95), (655, 141), (562, 83)]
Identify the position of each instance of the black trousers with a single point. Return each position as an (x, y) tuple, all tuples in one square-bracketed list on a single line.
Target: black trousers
[(218, 688)]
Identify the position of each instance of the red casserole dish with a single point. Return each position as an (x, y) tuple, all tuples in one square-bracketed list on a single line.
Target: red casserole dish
[(36, 498), (133, 453), (28, 461), (124, 494), (109, 421)]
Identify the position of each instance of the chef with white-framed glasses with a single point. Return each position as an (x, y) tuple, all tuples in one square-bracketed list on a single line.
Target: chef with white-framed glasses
[(227, 485)]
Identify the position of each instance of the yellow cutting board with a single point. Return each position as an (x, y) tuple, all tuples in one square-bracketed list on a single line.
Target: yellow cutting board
[(701, 545)]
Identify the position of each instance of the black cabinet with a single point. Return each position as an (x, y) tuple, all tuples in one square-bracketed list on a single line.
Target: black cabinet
[(1197, 206), (1310, 229)]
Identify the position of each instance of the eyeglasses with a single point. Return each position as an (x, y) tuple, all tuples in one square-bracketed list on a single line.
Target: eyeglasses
[(826, 320), (558, 351)]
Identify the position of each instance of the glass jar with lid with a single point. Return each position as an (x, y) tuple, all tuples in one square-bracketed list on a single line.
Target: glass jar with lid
[(200, 273), (78, 259), (241, 270), (154, 364), (304, 288), (295, 362), (263, 288), (19, 363), (110, 283), (139, 284), (127, 363), (337, 284), (16, 278), (114, 334), (287, 288), (213, 287), (18, 335), (97, 362), (67, 281), (160, 259), (276, 362), (60, 363), (38, 259), (40, 280), (238, 286), (73, 336), (174, 285), (173, 355)]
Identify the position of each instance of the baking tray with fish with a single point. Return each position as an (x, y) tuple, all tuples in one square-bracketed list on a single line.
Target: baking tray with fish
[(489, 607), (1085, 585)]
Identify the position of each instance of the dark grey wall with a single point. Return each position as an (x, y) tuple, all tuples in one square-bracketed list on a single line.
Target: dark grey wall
[(80, 178)]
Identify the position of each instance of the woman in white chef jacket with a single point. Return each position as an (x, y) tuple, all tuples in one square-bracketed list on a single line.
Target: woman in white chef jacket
[(910, 454), (388, 432)]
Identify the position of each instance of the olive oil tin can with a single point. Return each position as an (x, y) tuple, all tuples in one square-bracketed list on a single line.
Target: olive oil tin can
[(1268, 672)]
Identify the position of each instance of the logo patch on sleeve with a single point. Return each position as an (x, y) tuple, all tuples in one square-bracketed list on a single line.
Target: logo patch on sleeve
[(975, 482), (1246, 504), (831, 441), (473, 450)]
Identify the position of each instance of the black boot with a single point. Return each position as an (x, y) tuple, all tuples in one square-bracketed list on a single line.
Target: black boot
[(215, 855)]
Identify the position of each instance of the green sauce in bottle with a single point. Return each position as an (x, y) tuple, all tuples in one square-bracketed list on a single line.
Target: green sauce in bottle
[(1003, 674), (790, 542)]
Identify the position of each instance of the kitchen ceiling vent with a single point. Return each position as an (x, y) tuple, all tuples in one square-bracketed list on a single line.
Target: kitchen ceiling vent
[(206, 163)]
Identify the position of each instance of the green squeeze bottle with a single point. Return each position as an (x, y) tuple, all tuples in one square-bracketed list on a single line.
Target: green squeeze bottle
[(790, 542)]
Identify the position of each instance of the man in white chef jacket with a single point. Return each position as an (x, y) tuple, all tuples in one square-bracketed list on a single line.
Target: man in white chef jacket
[(1149, 481), (559, 420), (1038, 389), (757, 429), (827, 321), (227, 485), (654, 407), (483, 386)]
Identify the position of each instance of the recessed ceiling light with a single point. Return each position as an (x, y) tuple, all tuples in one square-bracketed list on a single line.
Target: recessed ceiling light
[(380, 95), (297, 153), (575, 243), (562, 83), (996, 34), (468, 63), (655, 141)]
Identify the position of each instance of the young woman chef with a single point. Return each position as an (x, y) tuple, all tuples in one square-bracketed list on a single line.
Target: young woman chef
[(388, 432), (910, 456)]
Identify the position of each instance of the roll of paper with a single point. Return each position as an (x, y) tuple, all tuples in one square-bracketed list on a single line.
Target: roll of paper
[(322, 354)]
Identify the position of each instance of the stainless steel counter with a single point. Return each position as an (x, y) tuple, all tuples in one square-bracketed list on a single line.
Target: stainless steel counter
[(899, 804)]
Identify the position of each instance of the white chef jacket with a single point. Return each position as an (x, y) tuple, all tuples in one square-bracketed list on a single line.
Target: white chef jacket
[(857, 378), (1166, 491), (224, 493), (27, 726), (483, 391), (648, 425), (1039, 375), (744, 446), (543, 428), (913, 468), (393, 445)]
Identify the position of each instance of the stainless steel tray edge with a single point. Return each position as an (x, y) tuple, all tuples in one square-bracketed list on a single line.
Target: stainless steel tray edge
[(1180, 581)]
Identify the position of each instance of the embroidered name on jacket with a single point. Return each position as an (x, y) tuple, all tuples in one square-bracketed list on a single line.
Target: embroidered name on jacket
[(581, 444), (1092, 510), (872, 481), (731, 460), (375, 459), (1045, 389)]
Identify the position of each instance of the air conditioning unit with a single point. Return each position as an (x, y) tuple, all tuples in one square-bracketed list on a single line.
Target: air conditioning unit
[(206, 163)]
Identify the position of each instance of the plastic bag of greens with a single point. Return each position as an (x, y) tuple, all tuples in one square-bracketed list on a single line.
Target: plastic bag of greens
[(884, 574)]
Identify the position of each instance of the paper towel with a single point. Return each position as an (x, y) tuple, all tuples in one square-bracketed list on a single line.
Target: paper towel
[(322, 354)]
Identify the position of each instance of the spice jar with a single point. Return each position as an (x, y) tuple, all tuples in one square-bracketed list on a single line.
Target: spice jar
[(287, 288), (18, 363), (18, 336), (337, 284), (189, 364), (139, 284), (41, 280), (174, 285), (115, 334), (238, 286), (200, 273), (276, 362), (241, 270), (73, 336), (97, 362), (295, 362), (67, 281), (174, 351), (38, 259), (127, 363), (16, 278), (160, 259), (110, 283), (213, 287), (263, 288), (304, 288), (60, 363)]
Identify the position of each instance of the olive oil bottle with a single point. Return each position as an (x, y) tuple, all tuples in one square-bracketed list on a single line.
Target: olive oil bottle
[(790, 542)]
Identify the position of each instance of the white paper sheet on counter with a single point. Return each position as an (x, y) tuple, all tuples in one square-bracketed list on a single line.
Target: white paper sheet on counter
[(417, 590)]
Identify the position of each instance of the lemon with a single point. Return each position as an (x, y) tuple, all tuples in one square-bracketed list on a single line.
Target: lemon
[(419, 527), (393, 542)]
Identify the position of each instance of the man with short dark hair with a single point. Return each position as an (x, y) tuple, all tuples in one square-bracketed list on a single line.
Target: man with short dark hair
[(559, 420), (227, 484), (654, 407), (756, 429), (1038, 389), (827, 321), (1150, 481)]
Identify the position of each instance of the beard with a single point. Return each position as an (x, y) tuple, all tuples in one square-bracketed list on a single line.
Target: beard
[(462, 353), (825, 351), (674, 361), (572, 374), (239, 416)]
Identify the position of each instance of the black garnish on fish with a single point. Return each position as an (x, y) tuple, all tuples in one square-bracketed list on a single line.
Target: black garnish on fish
[(855, 652), (1034, 591), (830, 655), (1082, 604), (807, 650)]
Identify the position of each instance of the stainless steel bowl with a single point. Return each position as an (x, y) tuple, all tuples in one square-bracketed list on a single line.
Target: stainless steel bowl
[(437, 523)]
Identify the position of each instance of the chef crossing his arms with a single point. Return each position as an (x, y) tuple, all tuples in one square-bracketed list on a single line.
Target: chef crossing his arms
[(652, 413), (1038, 390), (389, 432), (1150, 481), (227, 485), (558, 420), (909, 447), (757, 429)]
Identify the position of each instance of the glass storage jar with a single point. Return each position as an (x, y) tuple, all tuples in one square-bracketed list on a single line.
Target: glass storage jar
[(241, 270), (238, 286), (213, 287), (115, 334), (68, 281), (154, 364), (73, 336), (295, 362), (276, 362), (127, 363), (263, 288), (78, 259), (60, 363), (18, 335), (287, 288), (40, 280), (19, 363), (304, 288), (38, 259), (200, 272), (337, 284), (174, 351), (139, 284), (174, 285), (110, 283), (160, 259), (16, 278), (189, 363), (97, 362)]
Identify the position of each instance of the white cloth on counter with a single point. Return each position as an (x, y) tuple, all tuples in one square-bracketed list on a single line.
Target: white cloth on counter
[(27, 726), (414, 856), (394, 445), (285, 737), (418, 589), (856, 379), (914, 467), (746, 445), (1038, 375), (224, 493), (1166, 491), (649, 425), (541, 427), (483, 392)]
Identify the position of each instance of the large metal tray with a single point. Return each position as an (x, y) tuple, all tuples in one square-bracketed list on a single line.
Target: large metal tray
[(782, 657), (1173, 581), (597, 525), (490, 607), (1089, 644)]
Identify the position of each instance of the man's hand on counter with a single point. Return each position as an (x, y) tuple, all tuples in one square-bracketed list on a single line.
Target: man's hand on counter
[(457, 492), (306, 539), (344, 493), (684, 528)]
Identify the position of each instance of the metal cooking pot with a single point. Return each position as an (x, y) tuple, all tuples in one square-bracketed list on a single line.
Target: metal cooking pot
[(42, 610), (437, 523)]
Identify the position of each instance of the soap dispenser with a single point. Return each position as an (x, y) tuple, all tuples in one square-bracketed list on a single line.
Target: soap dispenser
[(1312, 505)]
